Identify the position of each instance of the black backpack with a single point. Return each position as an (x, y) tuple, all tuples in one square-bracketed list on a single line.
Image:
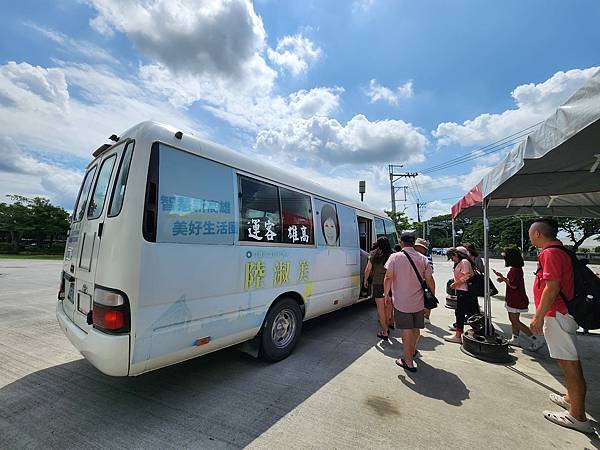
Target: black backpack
[(585, 305)]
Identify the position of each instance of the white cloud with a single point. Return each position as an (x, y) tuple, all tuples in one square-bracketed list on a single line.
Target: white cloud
[(315, 102), (435, 208), (252, 111), (377, 92), (294, 53), (38, 111), (206, 37), (24, 175), (362, 6), (84, 48), (535, 102), (474, 176), (345, 181), (25, 84), (359, 141)]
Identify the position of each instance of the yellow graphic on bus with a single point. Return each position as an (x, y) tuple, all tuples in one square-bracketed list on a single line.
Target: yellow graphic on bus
[(255, 274), (281, 273)]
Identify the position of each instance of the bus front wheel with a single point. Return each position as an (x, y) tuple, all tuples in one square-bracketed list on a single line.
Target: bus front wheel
[(281, 330)]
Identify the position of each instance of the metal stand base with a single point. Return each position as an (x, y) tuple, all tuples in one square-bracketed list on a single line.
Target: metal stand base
[(493, 349)]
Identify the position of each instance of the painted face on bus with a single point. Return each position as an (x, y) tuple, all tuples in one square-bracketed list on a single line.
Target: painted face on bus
[(330, 224), (330, 231)]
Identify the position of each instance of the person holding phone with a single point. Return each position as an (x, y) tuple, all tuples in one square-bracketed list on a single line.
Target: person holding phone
[(517, 301)]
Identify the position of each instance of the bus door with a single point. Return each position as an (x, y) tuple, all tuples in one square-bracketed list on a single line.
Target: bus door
[(365, 241), (90, 214)]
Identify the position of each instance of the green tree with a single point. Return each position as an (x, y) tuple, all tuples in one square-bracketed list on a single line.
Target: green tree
[(48, 220), (34, 218), (15, 219), (439, 231), (579, 229), (400, 220)]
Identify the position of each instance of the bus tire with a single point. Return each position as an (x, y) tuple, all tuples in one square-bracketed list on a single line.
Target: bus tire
[(281, 330)]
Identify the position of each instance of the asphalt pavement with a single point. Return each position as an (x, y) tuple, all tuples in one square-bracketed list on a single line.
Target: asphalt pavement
[(339, 389)]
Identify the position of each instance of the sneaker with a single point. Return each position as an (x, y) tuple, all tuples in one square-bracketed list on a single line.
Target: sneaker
[(452, 327), (453, 338), (515, 341)]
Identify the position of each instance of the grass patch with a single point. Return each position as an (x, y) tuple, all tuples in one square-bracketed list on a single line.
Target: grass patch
[(52, 257)]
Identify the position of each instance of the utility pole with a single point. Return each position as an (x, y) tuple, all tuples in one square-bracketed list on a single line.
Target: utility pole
[(419, 206), (395, 175)]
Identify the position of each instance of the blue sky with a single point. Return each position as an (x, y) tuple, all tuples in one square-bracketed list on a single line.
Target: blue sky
[(334, 91)]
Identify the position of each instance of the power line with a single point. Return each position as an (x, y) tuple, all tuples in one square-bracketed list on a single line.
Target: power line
[(467, 158), (483, 151), (418, 190), (511, 137)]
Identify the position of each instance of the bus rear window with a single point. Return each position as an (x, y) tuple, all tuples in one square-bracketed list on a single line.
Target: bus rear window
[(99, 195), (81, 203)]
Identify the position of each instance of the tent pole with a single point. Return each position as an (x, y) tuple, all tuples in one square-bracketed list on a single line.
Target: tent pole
[(486, 299), (522, 243), (453, 234)]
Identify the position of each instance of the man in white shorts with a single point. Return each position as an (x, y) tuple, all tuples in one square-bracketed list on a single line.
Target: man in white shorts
[(554, 282)]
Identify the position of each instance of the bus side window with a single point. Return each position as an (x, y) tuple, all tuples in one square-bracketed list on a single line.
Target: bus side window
[(379, 227), (296, 212), (259, 211), (391, 234), (348, 227)]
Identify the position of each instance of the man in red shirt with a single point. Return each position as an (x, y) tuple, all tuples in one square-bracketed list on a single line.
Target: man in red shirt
[(553, 281)]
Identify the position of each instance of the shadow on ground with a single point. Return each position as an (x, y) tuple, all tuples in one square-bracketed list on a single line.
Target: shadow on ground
[(437, 384), (226, 399)]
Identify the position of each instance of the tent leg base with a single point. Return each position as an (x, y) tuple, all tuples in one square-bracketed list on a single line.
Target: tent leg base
[(493, 349)]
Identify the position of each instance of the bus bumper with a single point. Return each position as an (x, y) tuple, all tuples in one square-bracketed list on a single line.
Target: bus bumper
[(109, 354)]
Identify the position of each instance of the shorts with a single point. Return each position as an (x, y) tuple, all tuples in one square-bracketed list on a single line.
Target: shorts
[(378, 291), (409, 321), (510, 309), (560, 337)]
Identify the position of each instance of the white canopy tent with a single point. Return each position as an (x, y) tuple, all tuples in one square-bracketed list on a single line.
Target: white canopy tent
[(555, 171)]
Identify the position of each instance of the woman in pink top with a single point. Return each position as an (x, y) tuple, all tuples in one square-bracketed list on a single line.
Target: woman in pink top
[(466, 303)]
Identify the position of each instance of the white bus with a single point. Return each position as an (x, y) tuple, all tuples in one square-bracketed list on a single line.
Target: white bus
[(179, 247)]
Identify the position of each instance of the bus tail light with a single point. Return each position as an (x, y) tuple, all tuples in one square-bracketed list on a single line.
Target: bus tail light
[(110, 312)]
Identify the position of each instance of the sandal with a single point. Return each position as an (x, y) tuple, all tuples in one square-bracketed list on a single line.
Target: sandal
[(564, 419), (383, 337), (560, 401), (403, 364)]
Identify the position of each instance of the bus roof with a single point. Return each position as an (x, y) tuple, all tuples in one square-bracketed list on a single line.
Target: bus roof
[(155, 131)]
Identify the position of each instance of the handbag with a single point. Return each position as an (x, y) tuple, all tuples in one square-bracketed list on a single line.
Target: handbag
[(476, 284), (429, 299)]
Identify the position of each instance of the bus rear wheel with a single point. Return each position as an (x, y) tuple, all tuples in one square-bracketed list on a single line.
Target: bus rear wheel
[(281, 330)]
